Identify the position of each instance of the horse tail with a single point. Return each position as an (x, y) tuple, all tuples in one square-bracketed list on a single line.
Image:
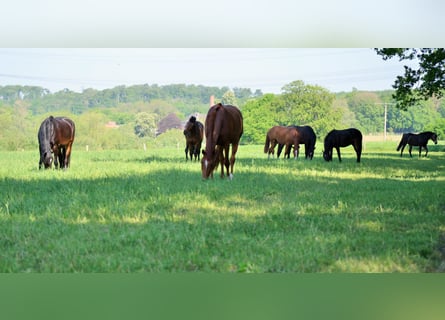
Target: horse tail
[(267, 144), (402, 142)]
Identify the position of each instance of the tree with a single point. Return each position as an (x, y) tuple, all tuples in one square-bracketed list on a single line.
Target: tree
[(145, 125), (367, 111), (229, 98), (259, 116), (302, 104), (417, 84)]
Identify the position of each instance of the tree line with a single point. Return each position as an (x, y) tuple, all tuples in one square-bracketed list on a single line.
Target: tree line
[(23, 108)]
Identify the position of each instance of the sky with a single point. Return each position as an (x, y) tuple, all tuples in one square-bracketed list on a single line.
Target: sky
[(256, 44), (267, 69)]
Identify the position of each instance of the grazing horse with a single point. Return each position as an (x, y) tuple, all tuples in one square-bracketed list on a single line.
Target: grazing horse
[(194, 133), (223, 127), (342, 138), (281, 135), (56, 135), (307, 137), (420, 140)]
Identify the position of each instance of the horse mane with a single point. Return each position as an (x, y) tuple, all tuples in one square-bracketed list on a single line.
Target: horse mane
[(209, 127)]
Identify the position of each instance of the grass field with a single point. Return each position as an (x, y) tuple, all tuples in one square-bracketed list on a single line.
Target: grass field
[(136, 211)]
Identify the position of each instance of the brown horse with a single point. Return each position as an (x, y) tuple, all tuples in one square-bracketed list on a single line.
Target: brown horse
[(281, 135), (307, 137), (223, 127), (56, 135), (194, 133)]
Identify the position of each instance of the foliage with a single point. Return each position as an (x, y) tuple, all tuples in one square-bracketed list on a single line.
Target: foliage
[(417, 84), (187, 98), (302, 104), (259, 116), (229, 98), (437, 126), (22, 109), (146, 125), (368, 113)]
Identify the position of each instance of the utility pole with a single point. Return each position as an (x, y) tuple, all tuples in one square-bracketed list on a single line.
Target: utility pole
[(385, 117)]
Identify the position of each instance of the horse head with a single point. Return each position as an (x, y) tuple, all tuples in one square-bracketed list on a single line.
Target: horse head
[(46, 158), (189, 126), (327, 155), (434, 138), (311, 152), (209, 161)]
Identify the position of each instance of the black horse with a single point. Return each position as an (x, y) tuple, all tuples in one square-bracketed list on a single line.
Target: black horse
[(342, 138), (307, 137), (56, 135), (194, 133), (420, 140)]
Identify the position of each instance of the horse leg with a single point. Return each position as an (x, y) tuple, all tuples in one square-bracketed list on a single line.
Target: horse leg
[(56, 156), (272, 149), (296, 151), (338, 153), (401, 151), (223, 159), (68, 155), (358, 150), (62, 152), (287, 151), (191, 150), (197, 151), (410, 149), (280, 148), (232, 159), (426, 150)]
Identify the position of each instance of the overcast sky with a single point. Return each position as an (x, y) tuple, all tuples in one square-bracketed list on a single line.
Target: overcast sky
[(271, 26), (267, 69)]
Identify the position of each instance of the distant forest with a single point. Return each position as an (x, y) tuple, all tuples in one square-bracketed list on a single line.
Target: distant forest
[(127, 117)]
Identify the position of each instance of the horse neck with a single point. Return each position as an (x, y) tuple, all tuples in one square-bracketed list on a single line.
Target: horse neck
[(195, 128), (46, 137)]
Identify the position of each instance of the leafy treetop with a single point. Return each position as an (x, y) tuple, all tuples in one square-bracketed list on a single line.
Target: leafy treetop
[(426, 81)]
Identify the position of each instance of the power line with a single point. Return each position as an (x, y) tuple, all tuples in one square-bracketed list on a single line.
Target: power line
[(385, 117)]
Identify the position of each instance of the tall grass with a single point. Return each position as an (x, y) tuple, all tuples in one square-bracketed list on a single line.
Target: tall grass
[(134, 211)]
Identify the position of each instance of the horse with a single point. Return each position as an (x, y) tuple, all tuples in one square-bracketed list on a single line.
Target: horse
[(420, 140), (56, 135), (307, 137), (194, 133), (281, 135), (223, 127), (342, 138)]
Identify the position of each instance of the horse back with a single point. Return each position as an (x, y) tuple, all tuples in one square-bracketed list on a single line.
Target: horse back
[(224, 124), (64, 130), (282, 134), (46, 132), (344, 138)]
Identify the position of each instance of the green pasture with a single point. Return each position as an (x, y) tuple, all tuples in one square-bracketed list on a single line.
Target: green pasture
[(150, 211)]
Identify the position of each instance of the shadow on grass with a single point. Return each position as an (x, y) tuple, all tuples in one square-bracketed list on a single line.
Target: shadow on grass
[(262, 221)]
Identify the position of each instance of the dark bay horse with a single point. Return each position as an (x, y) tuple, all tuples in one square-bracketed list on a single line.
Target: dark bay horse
[(223, 127), (307, 137), (420, 140), (342, 138), (194, 133), (282, 135), (56, 135)]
